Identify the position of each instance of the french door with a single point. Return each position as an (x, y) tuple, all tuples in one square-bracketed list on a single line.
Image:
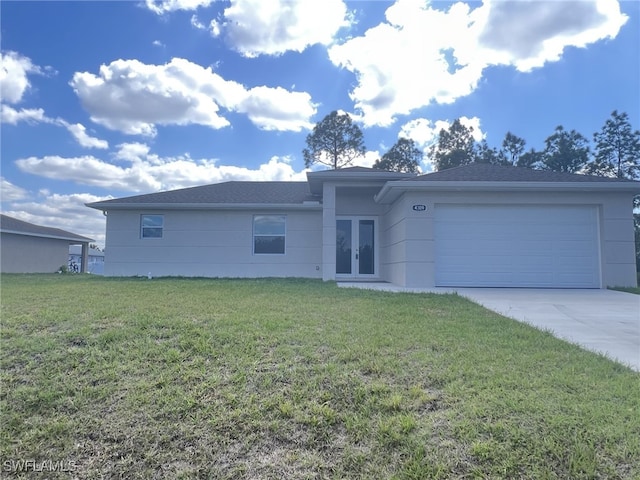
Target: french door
[(356, 248)]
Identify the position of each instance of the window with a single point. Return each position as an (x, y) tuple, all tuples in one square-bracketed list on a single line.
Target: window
[(269, 232), (151, 226)]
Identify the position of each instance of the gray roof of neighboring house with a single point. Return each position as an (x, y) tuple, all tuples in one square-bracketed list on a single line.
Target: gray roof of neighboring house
[(481, 172), (19, 227), (269, 193)]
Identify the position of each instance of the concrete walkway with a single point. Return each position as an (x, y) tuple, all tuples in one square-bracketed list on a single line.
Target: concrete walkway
[(603, 321)]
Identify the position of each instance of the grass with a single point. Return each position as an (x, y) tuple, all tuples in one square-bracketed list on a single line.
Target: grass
[(635, 290), (297, 379)]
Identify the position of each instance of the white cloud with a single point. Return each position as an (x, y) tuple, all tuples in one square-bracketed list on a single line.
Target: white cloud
[(165, 6), (134, 97), (527, 34), (421, 55), (425, 133), (11, 116), (13, 85), (14, 69), (147, 172), (79, 132), (272, 27), (67, 212), (216, 28), (10, 192), (87, 170), (197, 23), (278, 109), (368, 159), (135, 152)]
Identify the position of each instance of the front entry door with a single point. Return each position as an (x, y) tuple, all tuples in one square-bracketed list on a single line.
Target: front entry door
[(356, 247)]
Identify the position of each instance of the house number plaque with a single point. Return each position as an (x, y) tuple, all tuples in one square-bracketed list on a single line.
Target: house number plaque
[(420, 208)]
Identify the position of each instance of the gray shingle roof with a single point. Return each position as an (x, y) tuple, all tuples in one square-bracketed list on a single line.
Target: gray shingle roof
[(13, 225), (281, 193), (480, 172)]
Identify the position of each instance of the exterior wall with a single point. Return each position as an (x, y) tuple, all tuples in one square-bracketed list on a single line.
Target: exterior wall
[(409, 239), (27, 254), (203, 243), (618, 242), (358, 201), (394, 242)]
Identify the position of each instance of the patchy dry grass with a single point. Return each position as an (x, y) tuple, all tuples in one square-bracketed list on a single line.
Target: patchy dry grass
[(297, 379)]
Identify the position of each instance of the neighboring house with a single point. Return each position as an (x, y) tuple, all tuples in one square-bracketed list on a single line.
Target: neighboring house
[(95, 260), (477, 226), (29, 248)]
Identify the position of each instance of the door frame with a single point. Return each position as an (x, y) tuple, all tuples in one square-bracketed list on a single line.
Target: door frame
[(355, 241)]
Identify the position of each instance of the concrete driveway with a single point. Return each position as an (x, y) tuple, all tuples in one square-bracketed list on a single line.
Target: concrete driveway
[(603, 321)]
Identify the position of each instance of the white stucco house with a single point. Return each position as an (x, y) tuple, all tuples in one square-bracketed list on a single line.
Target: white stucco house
[(477, 226), (29, 248)]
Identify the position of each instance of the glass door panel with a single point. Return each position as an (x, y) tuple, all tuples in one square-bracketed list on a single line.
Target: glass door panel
[(343, 247), (365, 248)]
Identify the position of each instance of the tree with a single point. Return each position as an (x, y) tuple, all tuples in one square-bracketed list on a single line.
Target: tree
[(617, 147), (486, 154), (565, 151), (335, 141), (512, 148), (455, 147), (530, 159), (404, 156)]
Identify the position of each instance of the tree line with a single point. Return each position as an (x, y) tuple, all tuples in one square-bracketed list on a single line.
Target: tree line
[(336, 142)]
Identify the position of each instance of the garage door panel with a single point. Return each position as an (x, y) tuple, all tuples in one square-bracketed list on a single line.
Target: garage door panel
[(517, 246)]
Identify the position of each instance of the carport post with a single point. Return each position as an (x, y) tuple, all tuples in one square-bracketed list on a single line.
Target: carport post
[(85, 257)]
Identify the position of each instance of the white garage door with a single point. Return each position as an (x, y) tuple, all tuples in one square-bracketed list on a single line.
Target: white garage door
[(517, 246)]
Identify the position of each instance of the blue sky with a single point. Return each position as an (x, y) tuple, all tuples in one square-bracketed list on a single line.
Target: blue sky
[(111, 99)]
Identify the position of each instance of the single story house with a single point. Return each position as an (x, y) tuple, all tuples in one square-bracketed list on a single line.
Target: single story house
[(29, 248), (475, 226), (95, 260)]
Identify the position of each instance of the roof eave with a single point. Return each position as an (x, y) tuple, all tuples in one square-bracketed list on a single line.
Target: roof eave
[(78, 239), (392, 190), (316, 179), (205, 206)]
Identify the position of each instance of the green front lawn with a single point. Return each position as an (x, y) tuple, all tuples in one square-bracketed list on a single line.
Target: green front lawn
[(635, 290), (297, 379)]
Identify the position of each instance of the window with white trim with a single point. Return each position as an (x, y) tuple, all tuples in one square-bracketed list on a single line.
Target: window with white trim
[(269, 234), (151, 226)]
